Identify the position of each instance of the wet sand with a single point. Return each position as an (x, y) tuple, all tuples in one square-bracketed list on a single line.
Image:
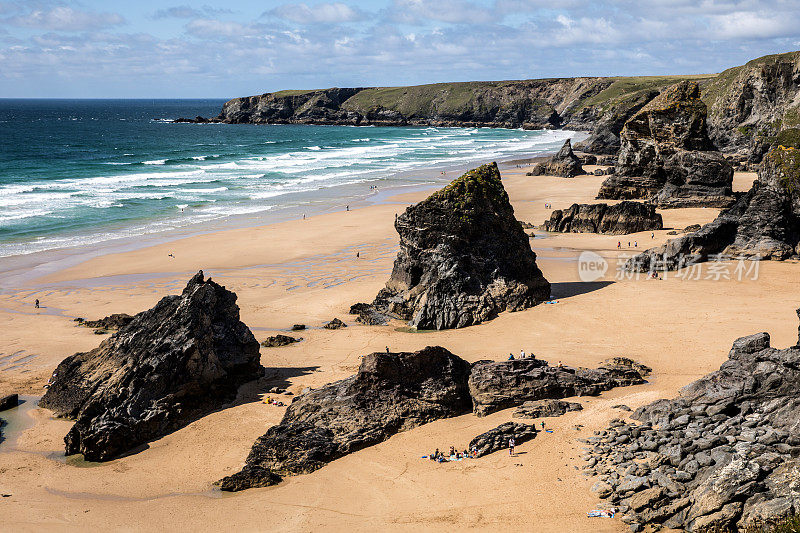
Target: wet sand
[(307, 272)]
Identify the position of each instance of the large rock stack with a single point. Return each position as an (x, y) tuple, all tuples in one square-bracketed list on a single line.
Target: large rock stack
[(666, 155), (619, 219), (762, 224), (723, 456), (463, 257), (564, 164), (170, 365)]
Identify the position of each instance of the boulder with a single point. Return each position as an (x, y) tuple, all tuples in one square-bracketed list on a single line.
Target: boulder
[(334, 324), (9, 402), (497, 439), (666, 155), (542, 408), (503, 384), (463, 258), (170, 365), (279, 340), (619, 219), (762, 224), (115, 321), (298, 327), (564, 164), (391, 392)]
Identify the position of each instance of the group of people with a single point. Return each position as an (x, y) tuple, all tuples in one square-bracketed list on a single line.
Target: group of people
[(521, 356), (272, 401), (548, 206), (455, 455), (635, 244)]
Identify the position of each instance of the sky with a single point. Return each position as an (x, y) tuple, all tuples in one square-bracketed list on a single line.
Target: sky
[(224, 49)]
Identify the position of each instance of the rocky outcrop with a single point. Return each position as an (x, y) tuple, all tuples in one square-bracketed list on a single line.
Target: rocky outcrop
[(392, 392), (497, 439), (762, 224), (9, 402), (564, 164), (604, 138), (180, 360), (666, 155), (541, 408), (463, 258), (334, 324), (619, 219), (279, 340), (500, 385), (722, 456)]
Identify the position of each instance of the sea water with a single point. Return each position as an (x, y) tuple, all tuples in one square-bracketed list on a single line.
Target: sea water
[(76, 172)]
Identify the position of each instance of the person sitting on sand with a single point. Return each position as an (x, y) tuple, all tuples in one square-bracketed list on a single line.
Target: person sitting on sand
[(452, 451), (475, 452), (511, 357)]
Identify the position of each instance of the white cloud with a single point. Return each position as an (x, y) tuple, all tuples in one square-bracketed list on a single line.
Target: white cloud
[(64, 18), (751, 25), (420, 12), (325, 13)]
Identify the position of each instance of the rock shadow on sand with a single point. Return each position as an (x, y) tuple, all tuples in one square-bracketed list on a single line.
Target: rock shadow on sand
[(568, 289)]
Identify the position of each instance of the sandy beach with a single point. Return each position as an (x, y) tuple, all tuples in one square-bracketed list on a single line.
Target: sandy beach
[(307, 272)]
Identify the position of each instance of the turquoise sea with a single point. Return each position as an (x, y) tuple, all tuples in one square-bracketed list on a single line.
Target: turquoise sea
[(76, 172)]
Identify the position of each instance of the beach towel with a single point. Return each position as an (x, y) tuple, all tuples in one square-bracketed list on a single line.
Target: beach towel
[(600, 513), (548, 430)]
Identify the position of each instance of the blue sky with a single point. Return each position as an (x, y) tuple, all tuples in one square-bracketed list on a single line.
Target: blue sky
[(152, 49)]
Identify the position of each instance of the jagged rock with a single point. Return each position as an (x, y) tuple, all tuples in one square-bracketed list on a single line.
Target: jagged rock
[(334, 324), (541, 408), (9, 402), (619, 219), (604, 138), (666, 155), (249, 477), (762, 224), (170, 365), (298, 327), (357, 309), (722, 454), (564, 164), (691, 228), (463, 258), (499, 385), (391, 393), (497, 439), (279, 340), (588, 159), (599, 172), (115, 321)]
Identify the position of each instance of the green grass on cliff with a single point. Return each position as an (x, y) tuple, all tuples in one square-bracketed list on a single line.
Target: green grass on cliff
[(631, 86), (720, 84)]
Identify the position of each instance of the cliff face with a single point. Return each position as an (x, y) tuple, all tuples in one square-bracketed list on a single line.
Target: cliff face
[(747, 105)]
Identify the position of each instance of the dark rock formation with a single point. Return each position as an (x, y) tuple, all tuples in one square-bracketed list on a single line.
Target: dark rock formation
[(564, 164), (9, 402), (604, 138), (298, 327), (463, 257), (115, 321), (497, 439), (334, 324), (762, 224), (279, 340), (499, 385), (178, 361), (666, 155), (540, 408), (619, 219), (723, 456), (391, 393)]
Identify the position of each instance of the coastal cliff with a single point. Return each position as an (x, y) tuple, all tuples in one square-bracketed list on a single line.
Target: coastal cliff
[(747, 105)]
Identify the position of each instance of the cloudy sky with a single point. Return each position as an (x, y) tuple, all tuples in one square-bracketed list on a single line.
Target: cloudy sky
[(149, 48)]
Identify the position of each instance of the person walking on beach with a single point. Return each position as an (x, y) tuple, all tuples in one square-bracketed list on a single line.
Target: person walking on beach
[(36, 304), (347, 208), (522, 354), (619, 244), (358, 254), (511, 446), (542, 425), (635, 244), (652, 235), (387, 349)]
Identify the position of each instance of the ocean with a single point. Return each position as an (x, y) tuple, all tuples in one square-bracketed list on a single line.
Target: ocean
[(76, 172)]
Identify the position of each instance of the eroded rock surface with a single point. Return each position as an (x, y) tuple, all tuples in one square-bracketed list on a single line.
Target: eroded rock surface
[(721, 456), (463, 257), (180, 360), (564, 164), (541, 408), (619, 219), (279, 340), (391, 393), (666, 155), (497, 439)]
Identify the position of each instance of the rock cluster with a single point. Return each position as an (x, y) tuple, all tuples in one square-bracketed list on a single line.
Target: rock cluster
[(392, 392), (279, 340), (722, 456), (170, 365), (564, 164), (666, 155), (624, 217), (497, 439), (762, 224), (542, 408), (463, 257), (499, 385)]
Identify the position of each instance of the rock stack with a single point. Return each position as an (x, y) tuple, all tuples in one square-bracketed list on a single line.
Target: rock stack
[(619, 219), (564, 164), (666, 155), (723, 456), (463, 258), (170, 365), (762, 224)]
